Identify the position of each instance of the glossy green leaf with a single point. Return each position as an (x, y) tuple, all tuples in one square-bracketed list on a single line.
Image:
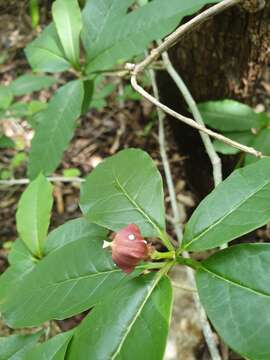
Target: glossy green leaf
[(68, 22), (33, 214), (234, 288), (237, 206), (125, 188), (21, 263), (55, 129), (46, 53), (5, 96), (67, 281), (244, 137), (261, 143), (53, 349), (229, 115), (12, 277), (13, 347), (28, 83), (71, 231), (20, 254), (112, 35), (134, 327)]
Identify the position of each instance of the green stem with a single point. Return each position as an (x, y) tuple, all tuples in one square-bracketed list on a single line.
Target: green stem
[(34, 12), (163, 255), (188, 262), (150, 265), (166, 240)]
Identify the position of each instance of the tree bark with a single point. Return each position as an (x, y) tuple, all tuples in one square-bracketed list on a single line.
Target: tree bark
[(226, 57)]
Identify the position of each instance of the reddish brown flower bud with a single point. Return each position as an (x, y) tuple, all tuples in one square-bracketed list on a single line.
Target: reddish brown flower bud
[(129, 248)]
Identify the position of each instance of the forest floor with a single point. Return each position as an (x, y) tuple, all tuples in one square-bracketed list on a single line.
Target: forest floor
[(100, 133)]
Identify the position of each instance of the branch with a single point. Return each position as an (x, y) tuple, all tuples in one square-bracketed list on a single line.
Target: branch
[(206, 328), (173, 38), (26, 181), (191, 122), (135, 69), (209, 147), (166, 166)]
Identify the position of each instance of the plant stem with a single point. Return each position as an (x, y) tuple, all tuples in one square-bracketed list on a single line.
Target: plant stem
[(188, 262), (165, 162), (174, 37), (151, 265), (25, 181), (206, 328), (191, 122), (214, 158), (156, 255), (34, 12), (166, 240)]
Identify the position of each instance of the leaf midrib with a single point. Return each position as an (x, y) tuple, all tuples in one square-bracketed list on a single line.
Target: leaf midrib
[(52, 53), (137, 206), (82, 277), (235, 283), (139, 310), (197, 238), (70, 38)]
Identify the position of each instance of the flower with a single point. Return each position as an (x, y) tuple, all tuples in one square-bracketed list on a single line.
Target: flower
[(129, 248)]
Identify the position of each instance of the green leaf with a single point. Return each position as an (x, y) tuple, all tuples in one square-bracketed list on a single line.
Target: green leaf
[(112, 35), (234, 288), (36, 106), (71, 231), (28, 83), (55, 129), (69, 280), (125, 188), (13, 346), (18, 160), (261, 143), (20, 254), (244, 137), (71, 172), (237, 206), (5, 174), (229, 115), (5, 96), (68, 22), (100, 93), (17, 110), (36, 113), (46, 52), (12, 277), (33, 214), (22, 262), (6, 142), (53, 349), (134, 327)]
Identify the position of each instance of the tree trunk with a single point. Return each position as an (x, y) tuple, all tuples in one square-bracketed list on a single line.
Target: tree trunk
[(226, 57)]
